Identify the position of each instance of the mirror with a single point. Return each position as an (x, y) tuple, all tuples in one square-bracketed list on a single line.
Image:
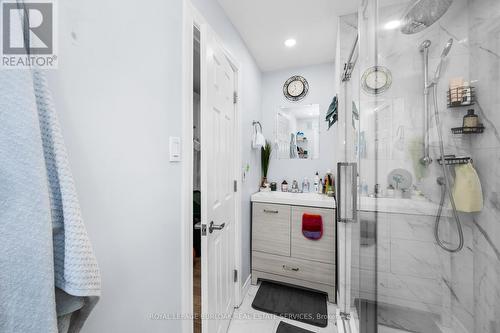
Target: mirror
[(297, 132)]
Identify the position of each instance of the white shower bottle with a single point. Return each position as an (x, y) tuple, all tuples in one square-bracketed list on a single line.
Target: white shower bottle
[(316, 183)]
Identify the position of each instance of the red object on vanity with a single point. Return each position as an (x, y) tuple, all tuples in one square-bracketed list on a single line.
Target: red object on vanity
[(312, 226)]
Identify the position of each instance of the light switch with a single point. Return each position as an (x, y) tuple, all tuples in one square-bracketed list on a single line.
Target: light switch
[(175, 148)]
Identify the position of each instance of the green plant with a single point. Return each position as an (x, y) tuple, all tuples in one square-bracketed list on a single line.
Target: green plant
[(265, 155)]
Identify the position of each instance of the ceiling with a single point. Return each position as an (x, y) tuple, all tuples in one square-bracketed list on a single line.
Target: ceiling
[(264, 25)]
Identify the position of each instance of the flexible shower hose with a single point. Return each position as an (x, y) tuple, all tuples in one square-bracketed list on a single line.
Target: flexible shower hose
[(447, 186)]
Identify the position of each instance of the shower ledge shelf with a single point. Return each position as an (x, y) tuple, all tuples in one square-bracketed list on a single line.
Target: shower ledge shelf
[(413, 206)]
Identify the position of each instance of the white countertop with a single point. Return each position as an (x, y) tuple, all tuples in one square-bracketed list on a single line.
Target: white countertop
[(296, 199), (413, 206)]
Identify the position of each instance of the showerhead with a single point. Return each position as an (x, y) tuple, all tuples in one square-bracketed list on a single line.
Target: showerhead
[(422, 14), (447, 48), (445, 52)]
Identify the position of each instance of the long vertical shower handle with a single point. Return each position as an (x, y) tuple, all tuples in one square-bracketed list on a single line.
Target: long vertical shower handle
[(347, 195)]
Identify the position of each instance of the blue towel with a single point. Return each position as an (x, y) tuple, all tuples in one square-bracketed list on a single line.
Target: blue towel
[(49, 278)]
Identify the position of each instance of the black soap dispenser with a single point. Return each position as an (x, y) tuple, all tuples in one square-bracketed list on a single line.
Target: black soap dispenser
[(471, 120)]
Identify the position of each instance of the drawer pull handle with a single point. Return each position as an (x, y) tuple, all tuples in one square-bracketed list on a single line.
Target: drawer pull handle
[(270, 211), (287, 268)]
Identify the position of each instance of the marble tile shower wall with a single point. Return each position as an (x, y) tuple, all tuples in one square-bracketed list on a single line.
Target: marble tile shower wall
[(406, 268), (484, 43), (399, 111)]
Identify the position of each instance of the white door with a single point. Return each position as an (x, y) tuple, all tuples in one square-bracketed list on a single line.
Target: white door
[(218, 205)]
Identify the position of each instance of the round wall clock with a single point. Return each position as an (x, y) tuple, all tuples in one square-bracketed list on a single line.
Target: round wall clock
[(376, 80), (295, 88)]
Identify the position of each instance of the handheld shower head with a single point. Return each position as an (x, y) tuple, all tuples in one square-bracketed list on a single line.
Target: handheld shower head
[(447, 48), (445, 52)]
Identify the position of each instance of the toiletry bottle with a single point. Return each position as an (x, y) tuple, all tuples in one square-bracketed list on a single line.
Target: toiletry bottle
[(456, 91), (332, 186), (295, 186), (316, 183), (364, 188), (284, 186), (329, 187), (390, 191), (305, 185), (326, 184), (470, 120), (466, 94)]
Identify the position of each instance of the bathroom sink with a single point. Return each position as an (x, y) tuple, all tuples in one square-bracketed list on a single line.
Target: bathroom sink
[(298, 199)]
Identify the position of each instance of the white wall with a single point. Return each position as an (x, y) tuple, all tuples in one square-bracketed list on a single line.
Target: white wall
[(250, 103), (321, 91), (118, 95)]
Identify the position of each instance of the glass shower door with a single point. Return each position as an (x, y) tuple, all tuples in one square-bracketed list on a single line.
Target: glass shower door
[(393, 274), (348, 217)]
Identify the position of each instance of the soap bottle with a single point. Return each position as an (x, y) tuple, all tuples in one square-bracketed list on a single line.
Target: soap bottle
[(305, 185), (284, 186), (470, 120), (316, 183)]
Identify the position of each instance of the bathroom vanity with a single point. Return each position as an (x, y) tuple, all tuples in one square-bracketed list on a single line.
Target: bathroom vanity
[(280, 250)]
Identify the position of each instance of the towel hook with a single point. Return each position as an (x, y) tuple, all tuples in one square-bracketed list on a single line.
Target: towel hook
[(254, 123)]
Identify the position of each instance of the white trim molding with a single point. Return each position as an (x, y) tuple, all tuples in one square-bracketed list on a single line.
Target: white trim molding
[(244, 290), (187, 173), (192, 18)]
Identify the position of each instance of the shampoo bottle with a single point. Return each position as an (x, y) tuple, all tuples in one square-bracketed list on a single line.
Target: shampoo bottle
[(470, 120), (316, 183)]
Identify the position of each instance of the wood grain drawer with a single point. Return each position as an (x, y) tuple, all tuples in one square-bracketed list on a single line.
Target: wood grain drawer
[(294, 268), (322, 249), (271, 228)]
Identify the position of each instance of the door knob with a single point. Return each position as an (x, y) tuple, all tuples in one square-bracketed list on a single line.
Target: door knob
[(213, 227)]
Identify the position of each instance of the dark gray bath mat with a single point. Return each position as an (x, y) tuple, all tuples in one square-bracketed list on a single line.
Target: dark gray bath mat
[(287, 328), (406, 319), (293, 303)]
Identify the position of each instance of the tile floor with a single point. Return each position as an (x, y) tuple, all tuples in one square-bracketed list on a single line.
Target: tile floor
[(248, 320)]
